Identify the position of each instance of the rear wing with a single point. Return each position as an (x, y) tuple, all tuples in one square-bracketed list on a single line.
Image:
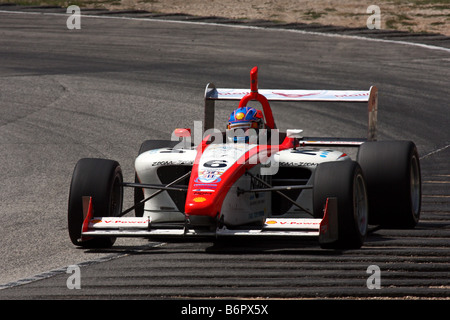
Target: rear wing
[(369, 97)]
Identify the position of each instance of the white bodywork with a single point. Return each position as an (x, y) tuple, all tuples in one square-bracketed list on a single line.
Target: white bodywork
[(161, 207), (237, 209)]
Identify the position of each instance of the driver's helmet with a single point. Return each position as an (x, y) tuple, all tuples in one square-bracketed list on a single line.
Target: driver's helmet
[(246, 118)]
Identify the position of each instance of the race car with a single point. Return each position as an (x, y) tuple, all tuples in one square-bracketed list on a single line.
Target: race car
[(254, 183)]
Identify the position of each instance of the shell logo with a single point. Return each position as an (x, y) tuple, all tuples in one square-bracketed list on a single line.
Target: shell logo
[(199, 199), (271, 222)]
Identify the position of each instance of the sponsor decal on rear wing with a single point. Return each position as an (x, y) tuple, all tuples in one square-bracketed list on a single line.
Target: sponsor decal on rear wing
[(370, 97), (292, 95)]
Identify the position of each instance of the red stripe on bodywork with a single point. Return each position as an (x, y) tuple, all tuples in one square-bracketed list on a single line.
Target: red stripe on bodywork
[(210, 204)]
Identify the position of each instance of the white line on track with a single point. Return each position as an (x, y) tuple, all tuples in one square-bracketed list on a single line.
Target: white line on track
[(434, 151), (323, 34)]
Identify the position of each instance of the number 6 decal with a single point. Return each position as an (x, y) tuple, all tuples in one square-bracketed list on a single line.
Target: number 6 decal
[(215, 164)]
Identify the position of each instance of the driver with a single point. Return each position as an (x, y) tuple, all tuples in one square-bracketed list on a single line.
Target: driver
[(245, 118)]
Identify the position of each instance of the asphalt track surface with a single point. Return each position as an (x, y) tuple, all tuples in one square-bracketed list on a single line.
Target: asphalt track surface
[(102, 90)]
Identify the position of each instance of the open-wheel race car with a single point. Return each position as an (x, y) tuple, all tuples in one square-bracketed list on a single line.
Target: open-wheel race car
[(252, 181)]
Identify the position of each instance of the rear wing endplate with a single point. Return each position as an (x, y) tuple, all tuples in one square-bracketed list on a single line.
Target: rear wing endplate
[(370, 97)]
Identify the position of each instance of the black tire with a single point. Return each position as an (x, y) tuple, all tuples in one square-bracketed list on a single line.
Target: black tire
[(102, 180), (343, 180), (392, 172), (146, 146)]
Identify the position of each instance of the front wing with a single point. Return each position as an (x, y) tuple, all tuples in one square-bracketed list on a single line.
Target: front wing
[(325, 229)]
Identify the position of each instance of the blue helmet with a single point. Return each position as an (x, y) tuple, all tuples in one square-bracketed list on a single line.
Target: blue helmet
[(246, 118)]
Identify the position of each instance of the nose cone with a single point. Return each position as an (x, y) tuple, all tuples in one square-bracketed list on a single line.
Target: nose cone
[(206, 192), (201, 206)]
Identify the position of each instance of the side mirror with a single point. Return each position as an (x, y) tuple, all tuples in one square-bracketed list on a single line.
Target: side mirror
[(182, 132), (185, 135), (294, 133)]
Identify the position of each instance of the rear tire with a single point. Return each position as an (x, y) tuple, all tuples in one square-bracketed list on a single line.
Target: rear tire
[(392, 171), (343, 180), (102, 180)]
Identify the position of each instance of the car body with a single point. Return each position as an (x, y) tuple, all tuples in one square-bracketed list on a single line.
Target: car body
[(278, 184)]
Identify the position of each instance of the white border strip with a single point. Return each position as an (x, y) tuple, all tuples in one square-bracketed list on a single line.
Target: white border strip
[(324, 34)]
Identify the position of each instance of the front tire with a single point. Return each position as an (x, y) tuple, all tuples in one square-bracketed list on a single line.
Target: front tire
[(102, 180), (343, 180)]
